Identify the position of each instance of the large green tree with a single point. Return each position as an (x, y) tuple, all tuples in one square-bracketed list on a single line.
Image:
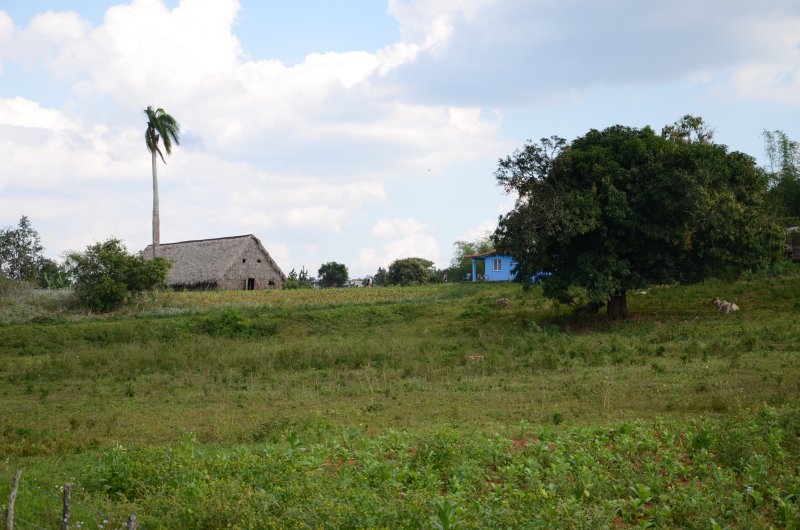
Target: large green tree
[(160, 126), (412, 271), (625, 208), (332, 274), (20, 251)]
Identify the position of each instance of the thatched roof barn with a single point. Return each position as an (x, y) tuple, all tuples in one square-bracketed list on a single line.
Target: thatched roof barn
[(230, 263)]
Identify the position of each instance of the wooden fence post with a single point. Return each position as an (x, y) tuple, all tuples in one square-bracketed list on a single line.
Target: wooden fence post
[(12, 498), (65, 517)]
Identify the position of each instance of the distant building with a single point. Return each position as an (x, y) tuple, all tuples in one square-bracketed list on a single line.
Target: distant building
[(228, 263), (497, 267)]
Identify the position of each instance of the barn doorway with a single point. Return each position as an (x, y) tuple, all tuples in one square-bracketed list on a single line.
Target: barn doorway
[(251, 284)]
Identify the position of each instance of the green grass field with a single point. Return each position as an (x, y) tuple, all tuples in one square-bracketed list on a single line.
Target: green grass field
[(418, 407)]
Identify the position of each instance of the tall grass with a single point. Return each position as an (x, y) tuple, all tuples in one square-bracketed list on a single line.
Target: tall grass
[(236, 369)]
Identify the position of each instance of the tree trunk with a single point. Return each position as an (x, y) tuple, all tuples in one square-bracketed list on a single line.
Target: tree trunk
[(617, 307), (156, 221)]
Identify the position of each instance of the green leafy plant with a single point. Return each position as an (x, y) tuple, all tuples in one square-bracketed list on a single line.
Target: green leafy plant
[(332, 274), (598, 213), (106, 276), (298, 281), (445, 514), (411, 271)]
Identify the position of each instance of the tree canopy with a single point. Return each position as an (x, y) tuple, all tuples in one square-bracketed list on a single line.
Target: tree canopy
[(460, 265), (381, 277), (20, 251), (298, 281), (625, 208), (783, 155), (106, 275), (332, 274), (411, 271), (163, 126)]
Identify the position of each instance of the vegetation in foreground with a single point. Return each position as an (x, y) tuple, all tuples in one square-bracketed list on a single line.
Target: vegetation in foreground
[(418, 406), (735, 471)]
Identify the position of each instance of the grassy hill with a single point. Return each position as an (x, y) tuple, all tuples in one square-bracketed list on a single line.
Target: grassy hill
[(376, 406)]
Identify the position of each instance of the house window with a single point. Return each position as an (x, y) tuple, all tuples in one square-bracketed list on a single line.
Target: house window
[(244, 260), (497, 264), (258, 260)]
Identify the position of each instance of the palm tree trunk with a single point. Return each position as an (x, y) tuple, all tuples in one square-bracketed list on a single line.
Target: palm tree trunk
[(156, 221)]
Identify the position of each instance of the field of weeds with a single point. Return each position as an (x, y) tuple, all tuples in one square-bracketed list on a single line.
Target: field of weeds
[(419, 407)]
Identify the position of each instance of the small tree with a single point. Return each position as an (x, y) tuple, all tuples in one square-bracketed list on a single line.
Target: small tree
[(52, 275), (783, 155), (381, 277), (20, 251), (332, 274), (106, 276), (298, 281), (412, 271), (460, 265)]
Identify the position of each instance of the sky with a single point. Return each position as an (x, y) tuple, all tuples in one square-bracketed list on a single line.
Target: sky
[(360, 131)]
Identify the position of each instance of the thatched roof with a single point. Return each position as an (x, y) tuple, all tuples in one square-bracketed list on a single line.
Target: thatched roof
[(204, 261)]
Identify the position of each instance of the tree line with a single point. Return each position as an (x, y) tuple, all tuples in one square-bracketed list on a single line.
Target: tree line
[(611, 211), (406, 271), (103, 276)]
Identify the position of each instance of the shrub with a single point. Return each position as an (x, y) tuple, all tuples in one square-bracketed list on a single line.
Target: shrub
[(106, 276), (332, 274), (411, 271), (298, 281), (52, 275)]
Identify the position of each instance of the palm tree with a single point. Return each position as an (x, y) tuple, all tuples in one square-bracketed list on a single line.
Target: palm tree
[(160, 125)]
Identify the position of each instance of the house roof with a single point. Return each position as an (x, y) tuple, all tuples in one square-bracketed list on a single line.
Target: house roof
[(201, 261), (482, 255)]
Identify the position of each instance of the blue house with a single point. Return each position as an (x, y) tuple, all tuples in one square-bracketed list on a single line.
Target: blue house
[(497, 267)]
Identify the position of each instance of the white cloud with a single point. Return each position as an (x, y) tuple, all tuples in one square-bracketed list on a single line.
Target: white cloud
[(57, 27), (188, 61), (482, 231), (528, 52), (307, 149), (6, 33), (266, 145), (398, 228), (41, 146), (433, 21), (777, 80), (280, 253), (405, 238), (20, 112)]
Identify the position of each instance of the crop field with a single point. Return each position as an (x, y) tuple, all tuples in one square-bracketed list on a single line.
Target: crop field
[(416, 407)]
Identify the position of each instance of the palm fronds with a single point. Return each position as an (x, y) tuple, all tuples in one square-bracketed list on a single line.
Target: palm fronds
[(161, 126)]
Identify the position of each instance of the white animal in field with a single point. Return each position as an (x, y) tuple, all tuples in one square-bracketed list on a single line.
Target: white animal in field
[(725, 306)]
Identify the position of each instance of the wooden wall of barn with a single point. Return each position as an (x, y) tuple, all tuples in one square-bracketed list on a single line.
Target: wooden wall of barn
[(253, 263)]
